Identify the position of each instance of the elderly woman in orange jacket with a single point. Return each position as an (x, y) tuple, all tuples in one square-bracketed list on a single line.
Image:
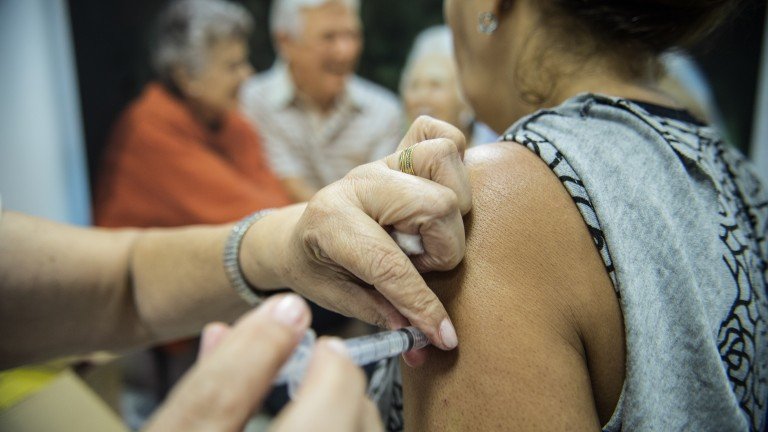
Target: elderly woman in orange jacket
[(181, 154)]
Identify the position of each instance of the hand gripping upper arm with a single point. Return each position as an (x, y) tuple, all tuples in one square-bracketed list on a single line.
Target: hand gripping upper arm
[(540, 330)]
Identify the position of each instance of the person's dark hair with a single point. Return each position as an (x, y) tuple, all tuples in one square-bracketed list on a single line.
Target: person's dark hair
[(656, 25), (631, 34)]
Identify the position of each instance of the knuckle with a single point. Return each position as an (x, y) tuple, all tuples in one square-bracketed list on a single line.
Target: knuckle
[(422, 122), (361, 171), (445, 243), (317, 209), (446, 148), (315, 224), (449, 261), (442, 201), (356, 172)]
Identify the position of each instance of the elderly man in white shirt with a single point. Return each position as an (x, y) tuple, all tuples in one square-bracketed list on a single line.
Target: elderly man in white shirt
[(317, 118)]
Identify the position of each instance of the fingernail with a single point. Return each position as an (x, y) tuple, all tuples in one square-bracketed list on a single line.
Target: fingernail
[(337, 346), (289, 310), (448, 334)]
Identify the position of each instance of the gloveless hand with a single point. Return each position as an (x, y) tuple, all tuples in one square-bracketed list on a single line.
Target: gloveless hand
[(239, 364), (339, 252)]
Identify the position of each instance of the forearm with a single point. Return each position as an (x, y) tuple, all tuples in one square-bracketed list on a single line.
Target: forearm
[(178, 281), (65, 290), (69, 290)]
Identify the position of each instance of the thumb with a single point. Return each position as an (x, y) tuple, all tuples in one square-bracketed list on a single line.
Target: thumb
[(222, 390)]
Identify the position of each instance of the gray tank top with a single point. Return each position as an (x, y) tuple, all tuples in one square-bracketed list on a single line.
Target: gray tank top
[(680, 221)]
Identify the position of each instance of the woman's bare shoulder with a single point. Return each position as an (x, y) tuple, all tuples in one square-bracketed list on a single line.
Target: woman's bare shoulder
[(525, 302)]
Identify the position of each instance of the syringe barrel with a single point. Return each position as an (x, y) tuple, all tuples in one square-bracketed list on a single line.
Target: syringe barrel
[(368, 349), (362, 350)]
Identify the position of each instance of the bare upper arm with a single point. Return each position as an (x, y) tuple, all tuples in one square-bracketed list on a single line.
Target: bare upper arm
[(540, 330)]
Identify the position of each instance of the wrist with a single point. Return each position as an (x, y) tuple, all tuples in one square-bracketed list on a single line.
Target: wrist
[(232, 258), (265, 251)]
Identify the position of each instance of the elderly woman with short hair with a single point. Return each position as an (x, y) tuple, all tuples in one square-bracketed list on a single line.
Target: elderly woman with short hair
[(181, 154)]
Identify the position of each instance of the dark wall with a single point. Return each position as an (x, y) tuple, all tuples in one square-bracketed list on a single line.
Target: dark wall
[(730, 59), (112, 40)]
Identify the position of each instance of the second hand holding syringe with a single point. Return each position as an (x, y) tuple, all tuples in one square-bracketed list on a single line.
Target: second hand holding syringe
[(362, 350)]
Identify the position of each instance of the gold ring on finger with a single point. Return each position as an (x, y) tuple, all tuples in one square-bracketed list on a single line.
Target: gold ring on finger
[(406, 161)]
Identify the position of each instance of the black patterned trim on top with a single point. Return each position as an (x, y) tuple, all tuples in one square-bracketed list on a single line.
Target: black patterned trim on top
[(573, 184)]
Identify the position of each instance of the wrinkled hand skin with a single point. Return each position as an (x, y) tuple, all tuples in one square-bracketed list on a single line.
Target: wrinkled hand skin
[(342, 257)]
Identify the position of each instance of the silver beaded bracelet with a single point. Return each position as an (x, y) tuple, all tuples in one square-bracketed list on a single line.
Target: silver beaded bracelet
[(232, 258)]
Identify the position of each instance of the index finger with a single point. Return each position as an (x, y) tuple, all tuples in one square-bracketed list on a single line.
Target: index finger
[(426, 128), (380, 262), (438, 160)]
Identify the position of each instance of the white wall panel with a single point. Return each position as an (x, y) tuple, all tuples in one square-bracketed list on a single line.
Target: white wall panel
[(42, 159)]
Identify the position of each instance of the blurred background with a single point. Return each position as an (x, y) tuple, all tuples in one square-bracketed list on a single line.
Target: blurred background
[(111, 44), (71, 66)]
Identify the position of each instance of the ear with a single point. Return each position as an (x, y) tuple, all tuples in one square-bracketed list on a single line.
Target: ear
[(184, 80)]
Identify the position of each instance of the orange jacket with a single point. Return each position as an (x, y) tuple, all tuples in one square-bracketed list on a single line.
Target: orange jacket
[(162, 167)]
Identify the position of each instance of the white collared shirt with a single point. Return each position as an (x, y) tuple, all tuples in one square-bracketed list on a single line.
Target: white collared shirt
[(364, 125)]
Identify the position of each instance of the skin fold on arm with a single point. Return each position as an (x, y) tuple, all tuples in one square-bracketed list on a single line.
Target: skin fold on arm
[(541, 331)]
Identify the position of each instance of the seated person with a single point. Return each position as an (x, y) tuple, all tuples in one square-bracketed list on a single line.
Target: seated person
[(318, 119), (615, 273), (181, 154), (429, 86)]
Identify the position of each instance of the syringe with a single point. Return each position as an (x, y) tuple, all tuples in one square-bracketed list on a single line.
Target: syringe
[(362, 350)]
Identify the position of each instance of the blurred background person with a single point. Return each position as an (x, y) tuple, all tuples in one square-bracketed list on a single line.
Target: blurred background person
[(181, 154), (430, 86), (319, 119)]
